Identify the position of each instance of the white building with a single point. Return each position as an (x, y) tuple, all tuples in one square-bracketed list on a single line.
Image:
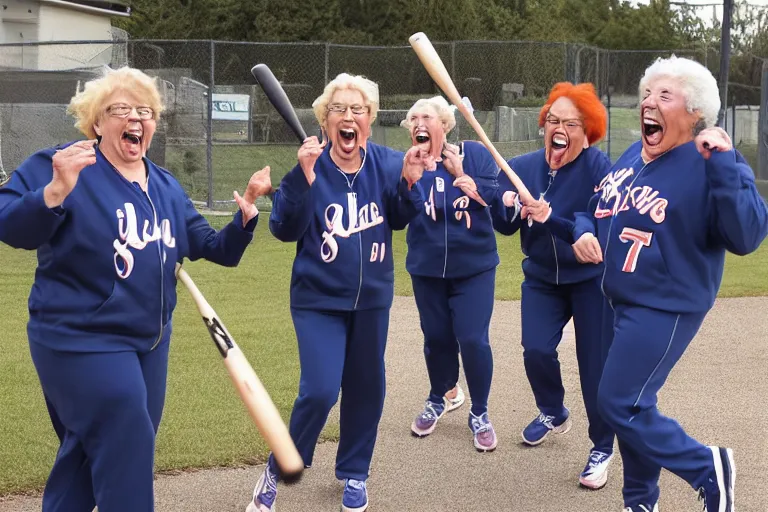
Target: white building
[(29, 21)]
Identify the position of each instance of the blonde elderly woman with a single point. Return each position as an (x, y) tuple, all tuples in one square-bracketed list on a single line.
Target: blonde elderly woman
[(340, 204), (452, 260), (661, 222), (109, 227)]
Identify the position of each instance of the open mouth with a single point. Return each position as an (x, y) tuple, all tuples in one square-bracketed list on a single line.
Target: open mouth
[(132, 140), (652, 131), (347, 139), (559, 142), (421, 138)]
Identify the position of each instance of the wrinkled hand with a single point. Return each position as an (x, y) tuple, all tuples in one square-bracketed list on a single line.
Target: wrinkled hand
[(510, 199), (712, 139), (468, 186), (452, 160), (259, 185), (308, 154), (415, 162), (67, 164), (587, 249), (538, 211)]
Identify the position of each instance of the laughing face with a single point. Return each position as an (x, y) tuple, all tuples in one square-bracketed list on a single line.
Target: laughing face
[(348, 126), (665, 120), (564, 136), (427, 130), (126, 129)]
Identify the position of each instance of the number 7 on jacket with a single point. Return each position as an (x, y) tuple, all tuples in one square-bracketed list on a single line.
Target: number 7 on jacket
[(639, 240)]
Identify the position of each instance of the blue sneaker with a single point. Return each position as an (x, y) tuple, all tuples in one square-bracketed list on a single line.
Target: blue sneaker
[(264, 493), (719, 496), (355, 497), (642, 508), (538, 430), (485, 436), (595, 474), (425, 423)]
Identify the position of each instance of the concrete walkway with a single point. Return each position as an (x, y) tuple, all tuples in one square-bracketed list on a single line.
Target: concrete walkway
[(718, 392)]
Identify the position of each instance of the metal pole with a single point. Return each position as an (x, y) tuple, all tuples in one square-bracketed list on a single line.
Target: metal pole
[(209, 136), (762, 128), (608, 142), (327, 58), (725, 59)]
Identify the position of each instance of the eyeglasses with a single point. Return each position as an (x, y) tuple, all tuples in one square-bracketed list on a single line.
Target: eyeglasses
[(341, 108), (123, 110), (570, 124)]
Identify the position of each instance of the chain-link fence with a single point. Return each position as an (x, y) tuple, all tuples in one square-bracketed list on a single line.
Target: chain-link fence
[(219, 127)]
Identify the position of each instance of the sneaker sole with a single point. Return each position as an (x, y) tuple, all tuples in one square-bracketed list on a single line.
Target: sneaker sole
[(562, 429), (452, 406), (358, 509), (594, 484), (484, 449), (423, 433)]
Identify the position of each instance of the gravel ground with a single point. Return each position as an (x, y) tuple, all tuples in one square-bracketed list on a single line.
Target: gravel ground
[(717, 392)]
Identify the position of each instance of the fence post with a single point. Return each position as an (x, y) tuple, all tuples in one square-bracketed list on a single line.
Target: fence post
[(608, 108), (762, 128), (209, 142), (327, 59)]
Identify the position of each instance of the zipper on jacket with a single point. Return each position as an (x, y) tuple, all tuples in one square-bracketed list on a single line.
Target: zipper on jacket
[(162, 270), (557, 265), (445, 223), (359, 233)]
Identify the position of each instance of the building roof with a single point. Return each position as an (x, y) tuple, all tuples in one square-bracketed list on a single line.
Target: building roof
[(106, 7)]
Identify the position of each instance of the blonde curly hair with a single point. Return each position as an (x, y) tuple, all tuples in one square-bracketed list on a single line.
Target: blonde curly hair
[(444, 110), (369, 90), (88, 105)]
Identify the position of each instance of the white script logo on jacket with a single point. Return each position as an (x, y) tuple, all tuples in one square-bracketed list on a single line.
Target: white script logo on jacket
[(357, 220), (128, 229)]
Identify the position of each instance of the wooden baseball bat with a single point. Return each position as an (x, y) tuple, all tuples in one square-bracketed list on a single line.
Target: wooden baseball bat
[(436, 69), (256, 399)]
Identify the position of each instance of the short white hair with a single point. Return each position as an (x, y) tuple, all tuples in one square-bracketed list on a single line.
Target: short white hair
[(697, 82), (445, 112), (369, 90)]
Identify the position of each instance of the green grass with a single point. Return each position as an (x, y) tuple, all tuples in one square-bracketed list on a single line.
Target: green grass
[(205, 424)]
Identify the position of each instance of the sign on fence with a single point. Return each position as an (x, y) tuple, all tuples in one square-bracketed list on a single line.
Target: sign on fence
[(231, 107)]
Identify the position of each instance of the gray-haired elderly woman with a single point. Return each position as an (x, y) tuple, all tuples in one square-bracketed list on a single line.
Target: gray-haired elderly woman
[(109, 227), (452, 259), (662, 221), (340, 204)]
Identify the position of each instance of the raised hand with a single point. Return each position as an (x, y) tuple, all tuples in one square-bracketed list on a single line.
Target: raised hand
[(259, 185), (67, 164), (452, 160), (415, 162), (587, 249), (308, 154), (712, 139)]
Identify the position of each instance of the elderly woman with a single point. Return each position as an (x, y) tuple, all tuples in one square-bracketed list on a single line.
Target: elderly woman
[(556, 287), (452, 260), (662, 221), (109, 227), (340, 204)]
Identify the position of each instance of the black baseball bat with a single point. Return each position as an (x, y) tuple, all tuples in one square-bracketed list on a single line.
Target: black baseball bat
[(278, 98)]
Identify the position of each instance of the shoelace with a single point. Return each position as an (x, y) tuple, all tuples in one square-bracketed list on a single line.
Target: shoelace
[(356, 484), (546, 420), (429, 413), (268, 492), (479, 425), (596, 458)]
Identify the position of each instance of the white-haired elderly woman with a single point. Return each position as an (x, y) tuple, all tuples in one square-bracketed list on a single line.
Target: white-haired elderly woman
[(452, 259), (340, 203), (109, 227), (662, 221)]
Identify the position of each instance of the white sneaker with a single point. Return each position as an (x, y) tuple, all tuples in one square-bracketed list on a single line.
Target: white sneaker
[(456, 402), (595, 474)]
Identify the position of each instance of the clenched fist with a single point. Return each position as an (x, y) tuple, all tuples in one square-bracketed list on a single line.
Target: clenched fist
[(308, 154), (712, 139), (67, 164), (587, 249)]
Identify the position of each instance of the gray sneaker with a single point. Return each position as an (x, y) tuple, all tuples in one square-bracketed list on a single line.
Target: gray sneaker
[(425, 423)]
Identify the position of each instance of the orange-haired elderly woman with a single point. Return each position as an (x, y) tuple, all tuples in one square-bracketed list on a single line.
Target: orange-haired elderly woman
[(556, 287)]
